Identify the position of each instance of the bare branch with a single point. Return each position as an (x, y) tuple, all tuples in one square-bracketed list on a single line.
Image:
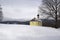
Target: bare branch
[(47, 3)]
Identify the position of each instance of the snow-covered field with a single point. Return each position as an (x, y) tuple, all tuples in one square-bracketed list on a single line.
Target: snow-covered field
[(26, 32)]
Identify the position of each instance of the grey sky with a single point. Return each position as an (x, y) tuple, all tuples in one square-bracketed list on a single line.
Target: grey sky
[(20, 8)]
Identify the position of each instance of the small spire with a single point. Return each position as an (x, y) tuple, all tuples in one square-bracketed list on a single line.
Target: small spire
[(38, 16)]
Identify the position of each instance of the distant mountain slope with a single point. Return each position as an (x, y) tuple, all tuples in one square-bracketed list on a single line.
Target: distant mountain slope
[(11, 19)]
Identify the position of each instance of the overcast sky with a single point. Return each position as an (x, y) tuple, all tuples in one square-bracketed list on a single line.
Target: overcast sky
[(20, 8)]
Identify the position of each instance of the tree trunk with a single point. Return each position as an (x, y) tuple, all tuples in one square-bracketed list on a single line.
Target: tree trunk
[(56, 14), (55, 19)]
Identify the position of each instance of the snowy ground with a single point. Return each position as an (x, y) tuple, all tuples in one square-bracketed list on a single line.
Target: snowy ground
[(25, 32)]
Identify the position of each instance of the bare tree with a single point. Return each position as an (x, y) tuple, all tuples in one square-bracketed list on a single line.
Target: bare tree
[(51, 8), (1, 15)]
